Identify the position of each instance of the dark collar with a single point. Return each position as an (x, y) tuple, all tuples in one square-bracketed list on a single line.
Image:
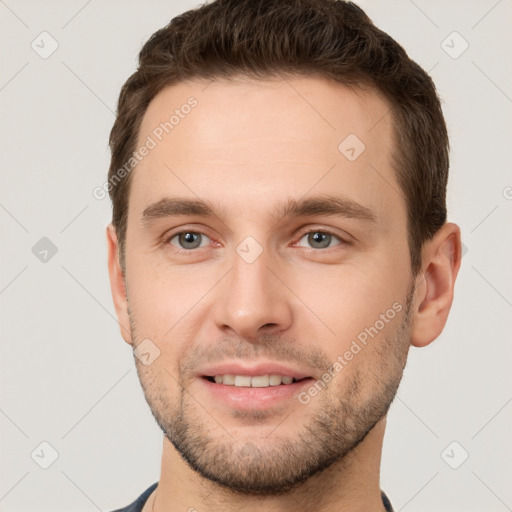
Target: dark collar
[(387, 503)]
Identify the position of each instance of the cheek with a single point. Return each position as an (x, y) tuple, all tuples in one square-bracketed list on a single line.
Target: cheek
[(161, 297), (347, 302), (160, 386), (165, 303)]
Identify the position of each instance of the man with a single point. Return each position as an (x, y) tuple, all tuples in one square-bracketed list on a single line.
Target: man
[(279, 241)]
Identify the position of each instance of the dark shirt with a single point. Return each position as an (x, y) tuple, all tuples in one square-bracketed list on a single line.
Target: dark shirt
[(138, 504)]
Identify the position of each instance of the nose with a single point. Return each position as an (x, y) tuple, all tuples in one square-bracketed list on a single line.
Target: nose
[(252, 300)]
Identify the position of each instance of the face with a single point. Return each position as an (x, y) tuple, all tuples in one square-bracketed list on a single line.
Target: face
[(267, 266)]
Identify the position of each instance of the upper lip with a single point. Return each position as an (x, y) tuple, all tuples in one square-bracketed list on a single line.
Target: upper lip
[(261, 368)]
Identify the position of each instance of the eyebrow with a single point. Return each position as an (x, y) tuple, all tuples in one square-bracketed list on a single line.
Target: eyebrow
[(307, 207)]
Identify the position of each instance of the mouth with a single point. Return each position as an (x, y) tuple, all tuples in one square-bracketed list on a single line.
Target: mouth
[(248, 386), (255, 381)]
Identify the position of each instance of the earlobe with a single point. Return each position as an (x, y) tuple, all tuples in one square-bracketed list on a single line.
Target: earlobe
[(117, 284), (441, 257)]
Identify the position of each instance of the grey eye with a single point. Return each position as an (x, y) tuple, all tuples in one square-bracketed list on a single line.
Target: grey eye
[(188, 240), (320, 239)]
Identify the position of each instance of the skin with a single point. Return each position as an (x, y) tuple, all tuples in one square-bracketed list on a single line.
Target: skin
[(248, 146)]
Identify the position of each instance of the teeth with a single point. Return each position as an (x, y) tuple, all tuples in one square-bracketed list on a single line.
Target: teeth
[(225, 379), (275, 380), (258, 381), (242, 380), (261, 381)]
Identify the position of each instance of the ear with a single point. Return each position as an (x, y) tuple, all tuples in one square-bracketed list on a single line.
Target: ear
[(117, 285), (441, 258)]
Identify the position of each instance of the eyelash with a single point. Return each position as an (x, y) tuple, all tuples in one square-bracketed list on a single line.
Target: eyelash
[(178, 250)]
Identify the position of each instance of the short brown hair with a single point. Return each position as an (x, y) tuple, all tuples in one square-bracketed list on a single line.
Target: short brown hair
[(264, 38)]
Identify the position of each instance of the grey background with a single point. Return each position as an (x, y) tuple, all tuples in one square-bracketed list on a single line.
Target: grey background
[(67, 377)]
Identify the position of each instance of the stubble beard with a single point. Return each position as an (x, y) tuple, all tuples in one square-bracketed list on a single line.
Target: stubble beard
[(274, 464)]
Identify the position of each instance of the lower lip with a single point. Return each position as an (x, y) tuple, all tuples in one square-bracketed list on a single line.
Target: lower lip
[(246, 398)]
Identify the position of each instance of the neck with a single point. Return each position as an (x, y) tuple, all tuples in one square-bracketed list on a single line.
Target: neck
[(349, 484)]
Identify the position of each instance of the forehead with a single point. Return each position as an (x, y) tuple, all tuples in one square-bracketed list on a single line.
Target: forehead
[(266, 139)]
